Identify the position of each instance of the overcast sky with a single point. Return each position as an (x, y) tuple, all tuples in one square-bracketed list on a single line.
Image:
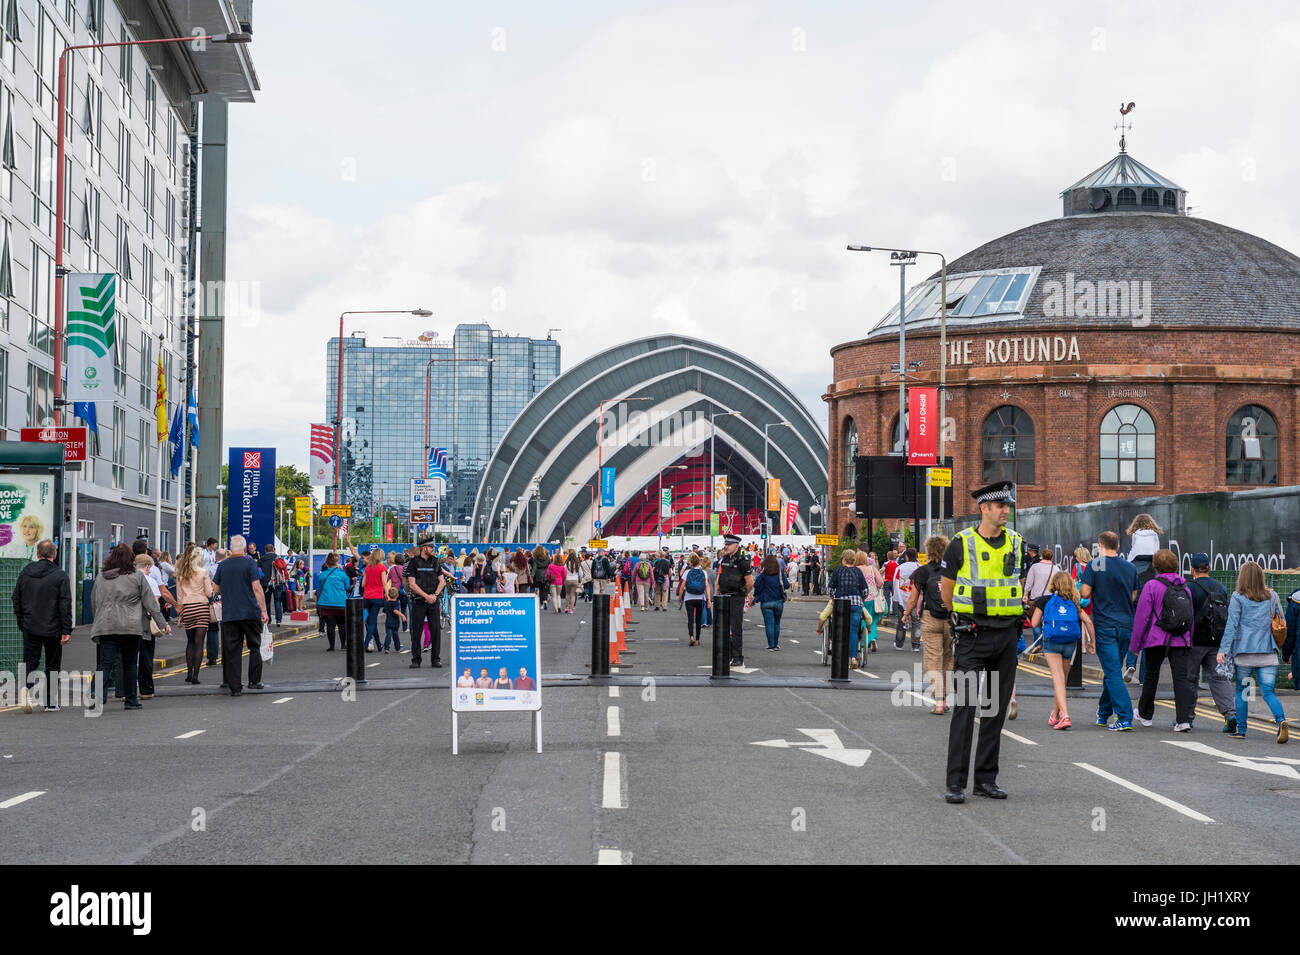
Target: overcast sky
[(617, 169)]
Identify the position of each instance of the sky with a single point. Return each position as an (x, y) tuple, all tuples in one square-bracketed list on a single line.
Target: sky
[(612, 170)]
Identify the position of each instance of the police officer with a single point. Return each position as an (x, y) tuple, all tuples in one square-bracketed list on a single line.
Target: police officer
[(981, 584), (735, 581), (425, 581)]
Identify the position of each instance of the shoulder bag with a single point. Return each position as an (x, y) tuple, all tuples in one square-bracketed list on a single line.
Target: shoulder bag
[(1277, 621)]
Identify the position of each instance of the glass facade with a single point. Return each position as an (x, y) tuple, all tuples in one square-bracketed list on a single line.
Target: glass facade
[(472, 401)]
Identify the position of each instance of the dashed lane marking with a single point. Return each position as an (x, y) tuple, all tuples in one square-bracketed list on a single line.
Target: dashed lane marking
[(613, 692), (613, 796), (191, 734), (283, 699), (612, 725), (612, 857)]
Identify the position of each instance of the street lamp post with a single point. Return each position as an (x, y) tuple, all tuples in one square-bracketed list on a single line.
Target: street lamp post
[(600, 447), (279, 517), (713, 444), (943, 348), (590, 485), (338, 406), (221, 501), (59, 268), (766, 510)]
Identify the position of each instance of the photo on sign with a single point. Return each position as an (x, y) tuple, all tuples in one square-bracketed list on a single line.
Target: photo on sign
[(496, 652), (26, 513)]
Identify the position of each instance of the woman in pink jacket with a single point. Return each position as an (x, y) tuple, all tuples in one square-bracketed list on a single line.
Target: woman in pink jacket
[(555, 576)]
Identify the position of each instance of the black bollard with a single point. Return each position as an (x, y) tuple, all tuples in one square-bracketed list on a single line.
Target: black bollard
[(721, 636), (841, 637), (600, 635), (354, 635)]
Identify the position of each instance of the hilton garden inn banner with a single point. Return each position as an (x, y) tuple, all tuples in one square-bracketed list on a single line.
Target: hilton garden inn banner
[(91, 329)]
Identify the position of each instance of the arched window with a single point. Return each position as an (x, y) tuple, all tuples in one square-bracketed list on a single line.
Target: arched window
[(850, 449), (1150, 197), (1127, 197), (1170, 201), (1008, 446), (1128, 446), (896, 444), (1252, 447)]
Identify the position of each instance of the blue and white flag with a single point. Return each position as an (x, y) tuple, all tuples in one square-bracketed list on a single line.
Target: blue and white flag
[(85, 410), (192, 416), (177, 438)]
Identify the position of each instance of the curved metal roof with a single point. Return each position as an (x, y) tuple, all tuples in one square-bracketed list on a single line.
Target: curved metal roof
[(555, 437), (1124, 170)]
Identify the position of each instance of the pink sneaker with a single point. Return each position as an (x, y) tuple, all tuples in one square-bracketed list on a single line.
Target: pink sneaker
[(1052, 720), (1063, 723)]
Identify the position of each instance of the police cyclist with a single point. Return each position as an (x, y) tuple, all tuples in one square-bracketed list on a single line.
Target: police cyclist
[(735, 582), (981, 583)]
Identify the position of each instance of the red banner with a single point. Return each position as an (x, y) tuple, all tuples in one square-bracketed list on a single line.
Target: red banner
[(923, 426), (388, 533), (791, 512)]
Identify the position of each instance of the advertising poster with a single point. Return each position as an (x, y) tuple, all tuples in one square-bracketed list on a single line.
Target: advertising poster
[(720, 492), (91, 330), (26, 513), (791, 514), (496, 653), (606, 487), (774, 494), (252, 495), (322, 454), (922, 426), (666, 502)]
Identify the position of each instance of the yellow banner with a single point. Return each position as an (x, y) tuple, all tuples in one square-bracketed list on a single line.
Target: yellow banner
[(160, 403), (828, 540), (940, 477), (774, 494), (302, 511)]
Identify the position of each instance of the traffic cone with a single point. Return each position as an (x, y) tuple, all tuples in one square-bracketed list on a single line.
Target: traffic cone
[(619, 627), (613, 642), (627, 611)]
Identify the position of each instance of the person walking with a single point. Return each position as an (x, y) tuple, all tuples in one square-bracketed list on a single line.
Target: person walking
[(770, 595), (1063, 626), (735, 581), (119, 598), (149, 631), (866, 563), (194, 592), (907, 623), (1037, 580), (332, 599), (214, 620), (847, 583), (556, 575), (539, 570), (572, 579), (1111, 583), (243, 610), (42, 601), (663, 568), (1210, 608), (1144, 540), (696, 594), (980, 585), (372, 592), (1162, 627), (643, 573), (425, 581), (1249, 644), (927, 601)]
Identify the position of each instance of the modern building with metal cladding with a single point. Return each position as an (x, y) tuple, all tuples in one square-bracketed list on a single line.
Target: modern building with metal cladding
[(1125, 349), (478, 381), (658, 394)]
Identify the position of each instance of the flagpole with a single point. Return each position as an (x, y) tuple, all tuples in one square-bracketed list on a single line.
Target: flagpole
[(74, 570), (157, 502)]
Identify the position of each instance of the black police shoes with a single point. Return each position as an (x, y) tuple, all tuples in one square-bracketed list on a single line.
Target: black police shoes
[(954, 796), (991, 790)]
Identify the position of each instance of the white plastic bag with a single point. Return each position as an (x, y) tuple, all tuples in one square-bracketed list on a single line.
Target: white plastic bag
[(268, 644)]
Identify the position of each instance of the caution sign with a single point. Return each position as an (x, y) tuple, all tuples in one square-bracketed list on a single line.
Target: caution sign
[(828, 540), (940, 477), (598, 544), (302, 511), (336, 510)]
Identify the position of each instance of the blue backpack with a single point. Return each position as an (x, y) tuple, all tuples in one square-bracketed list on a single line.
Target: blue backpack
[(1061, 619), (695, 581)]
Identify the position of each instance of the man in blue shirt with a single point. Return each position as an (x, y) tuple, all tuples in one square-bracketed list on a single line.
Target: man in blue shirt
[(1111, 583)]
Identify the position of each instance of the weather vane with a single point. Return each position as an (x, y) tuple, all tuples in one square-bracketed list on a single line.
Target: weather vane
[(1122, 126)]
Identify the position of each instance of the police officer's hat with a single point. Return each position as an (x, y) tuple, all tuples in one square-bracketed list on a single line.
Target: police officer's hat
[(999, 492), (426, 542), (731, 538)]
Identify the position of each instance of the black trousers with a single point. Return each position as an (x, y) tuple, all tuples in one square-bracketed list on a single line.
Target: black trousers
[(147, 647), (117, 657), (1184, 684), (806, 580), (234, 634), (737, 624), (694, 618), (33, 644), (422, 611), (333, 624), (990, 651)]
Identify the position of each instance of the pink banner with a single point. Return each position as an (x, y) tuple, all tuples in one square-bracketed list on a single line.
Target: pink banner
[(923, 426), (791, 512)]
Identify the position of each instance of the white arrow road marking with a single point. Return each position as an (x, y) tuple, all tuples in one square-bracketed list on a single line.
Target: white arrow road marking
[(1273, 765), (612, 796), (1163, 800), (23, 798), (190, 734), (823, 742)]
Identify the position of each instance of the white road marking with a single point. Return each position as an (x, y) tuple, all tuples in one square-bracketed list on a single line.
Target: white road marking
[(283, 699), (610, 857), (1273, 765), (613, 796), (613, 669), (1019, 739), (23, 798), (612, 727), (1163, 800), (824, 742), (369, 665), (613, 692), (793, 640), (190, 734)]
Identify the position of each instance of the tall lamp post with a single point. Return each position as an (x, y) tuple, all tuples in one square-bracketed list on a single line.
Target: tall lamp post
[(943, 347), (600, 446), (591, 485), (713, 442), (766, 478), (221, 501), (60, 270), (279, 517), (338, 405)]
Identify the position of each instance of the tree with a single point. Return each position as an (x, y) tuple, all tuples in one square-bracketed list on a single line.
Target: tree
[(880, 541)]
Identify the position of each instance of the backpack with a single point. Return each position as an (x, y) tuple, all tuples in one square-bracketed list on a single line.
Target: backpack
[(600, 568), (627, 568), (933, 597), (695, 581), (643, 570), (1213, 618), (1176, 615), (539, 573), (1061, 619), (490, 578)]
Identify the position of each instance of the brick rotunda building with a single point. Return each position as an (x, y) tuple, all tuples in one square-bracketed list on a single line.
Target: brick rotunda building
[(1122, 350)]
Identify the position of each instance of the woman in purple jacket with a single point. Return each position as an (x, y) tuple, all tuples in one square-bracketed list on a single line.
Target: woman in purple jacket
[(1161, 645)]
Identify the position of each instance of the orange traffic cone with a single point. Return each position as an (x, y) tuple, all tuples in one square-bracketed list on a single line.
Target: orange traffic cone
[(613, 646), (620, 628)]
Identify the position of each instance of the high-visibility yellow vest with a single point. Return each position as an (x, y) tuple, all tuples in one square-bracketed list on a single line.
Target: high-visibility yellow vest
[(988, 581)]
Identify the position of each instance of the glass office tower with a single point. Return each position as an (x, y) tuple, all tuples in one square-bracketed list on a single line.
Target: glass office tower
[(472, 400)]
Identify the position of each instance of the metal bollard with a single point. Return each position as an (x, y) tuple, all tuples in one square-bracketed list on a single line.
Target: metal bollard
[(841, 618), (721, 636), (354, 638), (600, 635)]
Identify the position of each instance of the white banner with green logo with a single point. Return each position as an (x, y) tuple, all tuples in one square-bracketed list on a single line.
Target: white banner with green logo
[(91, 333)]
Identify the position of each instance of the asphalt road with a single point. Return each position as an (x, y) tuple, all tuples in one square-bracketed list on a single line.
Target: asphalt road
[(658, 766)]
